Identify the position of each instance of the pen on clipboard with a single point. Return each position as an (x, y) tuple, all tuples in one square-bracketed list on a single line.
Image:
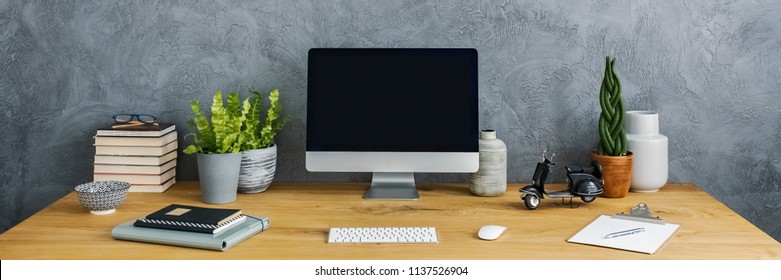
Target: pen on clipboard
[(624, 232)]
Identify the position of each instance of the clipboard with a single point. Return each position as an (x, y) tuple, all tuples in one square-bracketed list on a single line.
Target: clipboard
[(637, 231)]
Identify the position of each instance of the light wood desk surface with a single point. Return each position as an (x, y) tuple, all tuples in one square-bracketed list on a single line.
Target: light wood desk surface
[(301, 215)]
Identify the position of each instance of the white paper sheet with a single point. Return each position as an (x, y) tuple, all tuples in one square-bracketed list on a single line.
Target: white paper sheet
[(649, 241)]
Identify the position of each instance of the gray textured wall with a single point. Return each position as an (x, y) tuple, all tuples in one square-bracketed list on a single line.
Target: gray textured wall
[(712, 70)]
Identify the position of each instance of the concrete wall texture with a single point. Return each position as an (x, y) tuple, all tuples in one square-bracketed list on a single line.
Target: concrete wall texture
[(711, 69)]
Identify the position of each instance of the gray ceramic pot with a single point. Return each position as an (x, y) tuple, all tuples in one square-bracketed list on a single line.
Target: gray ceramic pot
[(257, 169), (219, 176)]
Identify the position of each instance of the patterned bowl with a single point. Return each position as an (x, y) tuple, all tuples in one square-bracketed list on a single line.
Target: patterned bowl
[(102, 197)]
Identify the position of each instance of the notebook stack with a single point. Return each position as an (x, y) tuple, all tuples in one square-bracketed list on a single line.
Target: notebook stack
[(191, 226), (143, 155), (192, 218)]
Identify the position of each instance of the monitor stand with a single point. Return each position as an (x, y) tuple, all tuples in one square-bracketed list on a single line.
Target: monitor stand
[(392, 186)]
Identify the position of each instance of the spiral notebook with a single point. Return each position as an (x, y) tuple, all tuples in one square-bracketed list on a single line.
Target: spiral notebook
[(191, 218), (189, 226)]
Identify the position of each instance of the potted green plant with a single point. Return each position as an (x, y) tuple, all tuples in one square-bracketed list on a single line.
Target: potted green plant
[(259, 152), (217, 144), (612, 151)]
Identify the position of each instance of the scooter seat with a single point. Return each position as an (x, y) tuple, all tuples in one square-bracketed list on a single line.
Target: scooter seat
[(574, 169)]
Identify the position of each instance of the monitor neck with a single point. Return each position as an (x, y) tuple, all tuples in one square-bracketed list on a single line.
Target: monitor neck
[(392, 186)]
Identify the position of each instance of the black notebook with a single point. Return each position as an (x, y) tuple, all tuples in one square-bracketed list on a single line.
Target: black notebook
[(191, 218)]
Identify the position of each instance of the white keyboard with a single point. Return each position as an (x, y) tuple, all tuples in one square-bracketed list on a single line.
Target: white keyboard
[(383, 235)]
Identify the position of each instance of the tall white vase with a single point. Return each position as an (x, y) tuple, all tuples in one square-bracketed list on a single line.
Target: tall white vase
[(650, 164)]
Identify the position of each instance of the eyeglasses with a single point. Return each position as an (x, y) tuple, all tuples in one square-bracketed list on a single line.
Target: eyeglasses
[(140, 118)]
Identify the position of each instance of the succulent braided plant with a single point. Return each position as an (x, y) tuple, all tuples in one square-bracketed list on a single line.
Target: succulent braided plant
[(612, 138)]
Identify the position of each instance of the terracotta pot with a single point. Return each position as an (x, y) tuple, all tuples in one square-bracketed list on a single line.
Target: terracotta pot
[(616, 172)]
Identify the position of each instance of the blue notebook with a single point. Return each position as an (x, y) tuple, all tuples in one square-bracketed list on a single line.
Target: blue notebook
[(218, 242)]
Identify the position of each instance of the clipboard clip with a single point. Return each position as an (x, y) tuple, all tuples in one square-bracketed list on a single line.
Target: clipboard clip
[(640, 213)]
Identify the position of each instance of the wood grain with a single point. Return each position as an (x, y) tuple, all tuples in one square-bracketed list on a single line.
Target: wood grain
[(301, 215)]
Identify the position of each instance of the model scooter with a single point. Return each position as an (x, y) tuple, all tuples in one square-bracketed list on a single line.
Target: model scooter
[(583, 183)]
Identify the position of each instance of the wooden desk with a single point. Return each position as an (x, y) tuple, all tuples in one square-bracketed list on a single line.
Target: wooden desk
[(301, 215)]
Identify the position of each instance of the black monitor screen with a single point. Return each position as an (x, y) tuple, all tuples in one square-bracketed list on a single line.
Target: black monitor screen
[(392, 100)]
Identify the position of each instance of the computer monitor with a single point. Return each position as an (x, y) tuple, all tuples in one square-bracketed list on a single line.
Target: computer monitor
[(392, 112)]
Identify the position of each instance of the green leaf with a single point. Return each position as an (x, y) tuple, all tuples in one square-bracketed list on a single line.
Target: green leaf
[(233, 104), (219, 115), (269, 130), (192, 149), (254, 114), (207, 141), (229, 144), (253, 122)]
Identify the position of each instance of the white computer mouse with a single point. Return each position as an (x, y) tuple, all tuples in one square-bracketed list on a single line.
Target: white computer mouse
[(491, 232)]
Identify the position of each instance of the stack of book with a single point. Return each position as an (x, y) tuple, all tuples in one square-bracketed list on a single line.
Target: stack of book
[(191, 226), (143, 155)]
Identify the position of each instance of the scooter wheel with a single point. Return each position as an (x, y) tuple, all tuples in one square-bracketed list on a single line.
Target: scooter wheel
[(588, 199), (531, 201)]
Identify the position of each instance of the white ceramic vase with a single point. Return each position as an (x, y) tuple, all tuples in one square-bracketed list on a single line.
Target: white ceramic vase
[(491, 178), (650, 165)]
